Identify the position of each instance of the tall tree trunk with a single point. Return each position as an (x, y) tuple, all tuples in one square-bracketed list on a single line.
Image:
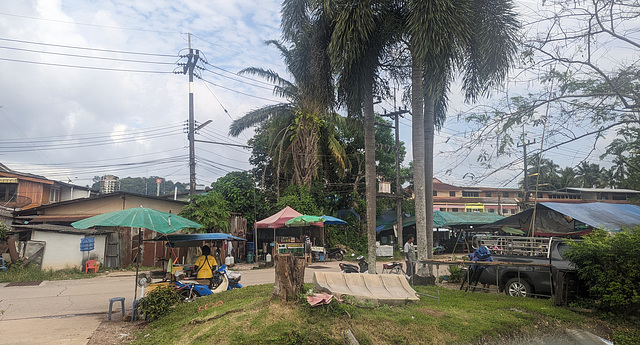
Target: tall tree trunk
[(370, 172), (429, 113), (417, 129)]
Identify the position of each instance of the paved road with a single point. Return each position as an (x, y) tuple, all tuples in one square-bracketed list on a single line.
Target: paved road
[(68, 311)]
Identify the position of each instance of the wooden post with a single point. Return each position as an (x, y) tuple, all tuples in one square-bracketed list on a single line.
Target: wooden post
[(289, 277)]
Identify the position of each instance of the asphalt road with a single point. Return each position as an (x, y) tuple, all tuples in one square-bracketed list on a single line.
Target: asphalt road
[(68, 311)]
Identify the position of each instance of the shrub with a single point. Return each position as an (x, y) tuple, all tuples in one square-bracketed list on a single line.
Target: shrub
[(609, 266), (455, 274), (158, 302)]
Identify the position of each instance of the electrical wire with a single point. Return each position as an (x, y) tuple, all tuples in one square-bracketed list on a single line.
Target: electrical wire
[(87, 56), (87, 48), (86, 67), (236, 91)]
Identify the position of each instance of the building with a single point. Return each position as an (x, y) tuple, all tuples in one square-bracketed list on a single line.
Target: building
[(109, 184), (450, 198), (20, 190)]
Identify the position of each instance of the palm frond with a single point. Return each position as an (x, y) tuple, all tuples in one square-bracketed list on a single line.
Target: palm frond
[(258, 116)]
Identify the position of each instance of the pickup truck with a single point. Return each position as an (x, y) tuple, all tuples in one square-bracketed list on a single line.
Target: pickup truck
[(521, 279)]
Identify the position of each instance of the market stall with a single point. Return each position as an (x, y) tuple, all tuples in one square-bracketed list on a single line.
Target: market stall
[(273, 236)]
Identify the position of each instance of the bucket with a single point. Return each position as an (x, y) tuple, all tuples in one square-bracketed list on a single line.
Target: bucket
[(321, 256), (268, 258), (227, 260)]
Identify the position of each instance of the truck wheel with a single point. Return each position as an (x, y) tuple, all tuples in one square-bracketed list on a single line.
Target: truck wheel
[(517, 288)]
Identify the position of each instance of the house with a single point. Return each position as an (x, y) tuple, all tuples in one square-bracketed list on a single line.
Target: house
[(46, 231), (25, 190)]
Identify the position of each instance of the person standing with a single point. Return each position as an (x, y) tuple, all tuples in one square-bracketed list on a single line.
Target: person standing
[(409, 256)]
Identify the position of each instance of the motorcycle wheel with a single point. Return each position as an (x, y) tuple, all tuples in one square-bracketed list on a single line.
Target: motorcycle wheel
[(339, 257)]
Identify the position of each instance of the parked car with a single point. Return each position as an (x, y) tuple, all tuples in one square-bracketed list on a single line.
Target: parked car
[(523, 280)]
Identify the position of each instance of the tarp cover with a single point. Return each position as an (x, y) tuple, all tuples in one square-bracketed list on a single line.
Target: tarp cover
[(443, 219), (195, 240), (277, 220), (562, 218)]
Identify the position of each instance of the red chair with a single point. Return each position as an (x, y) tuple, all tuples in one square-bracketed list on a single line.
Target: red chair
[(91, 265)]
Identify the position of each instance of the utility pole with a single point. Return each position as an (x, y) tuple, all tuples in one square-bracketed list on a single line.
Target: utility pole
[(396, 115), (525, 184), (191, 64)]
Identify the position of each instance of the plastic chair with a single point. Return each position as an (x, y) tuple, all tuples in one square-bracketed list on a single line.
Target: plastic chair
[(2, 267), (91, 265)]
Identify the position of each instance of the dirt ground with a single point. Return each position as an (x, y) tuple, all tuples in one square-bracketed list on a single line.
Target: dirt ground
[(115, 332)]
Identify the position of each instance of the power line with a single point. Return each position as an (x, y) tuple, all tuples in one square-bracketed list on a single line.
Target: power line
[(87, 48), (86, 67), (236, 91), (88, 56)]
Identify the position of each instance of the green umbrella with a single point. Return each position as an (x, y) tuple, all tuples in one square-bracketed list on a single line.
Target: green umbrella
[(304, 220), (139, 217)]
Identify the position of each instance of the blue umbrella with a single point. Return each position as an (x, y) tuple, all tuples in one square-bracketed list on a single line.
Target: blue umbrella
[(333, 220)]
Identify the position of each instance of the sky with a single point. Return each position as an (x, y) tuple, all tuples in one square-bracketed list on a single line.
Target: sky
[(89, 90)]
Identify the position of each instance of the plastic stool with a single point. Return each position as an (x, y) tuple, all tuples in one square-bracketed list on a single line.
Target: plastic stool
[(116, 299)]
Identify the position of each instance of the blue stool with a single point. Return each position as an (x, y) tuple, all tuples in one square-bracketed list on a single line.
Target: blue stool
[(113, 300)]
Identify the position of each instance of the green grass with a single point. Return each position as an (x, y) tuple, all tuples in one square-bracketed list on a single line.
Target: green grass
[(247, 316), (17, 273)]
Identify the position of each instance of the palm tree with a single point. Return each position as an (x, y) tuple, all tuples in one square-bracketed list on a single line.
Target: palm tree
[(361, 31), (473, 37), (294, 125)]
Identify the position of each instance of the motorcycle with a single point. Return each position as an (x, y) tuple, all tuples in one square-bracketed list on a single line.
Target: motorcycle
[(222, 280), (362, 267), (336, 253)]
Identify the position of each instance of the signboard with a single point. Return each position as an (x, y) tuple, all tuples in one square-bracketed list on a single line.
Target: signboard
[(87, 244)]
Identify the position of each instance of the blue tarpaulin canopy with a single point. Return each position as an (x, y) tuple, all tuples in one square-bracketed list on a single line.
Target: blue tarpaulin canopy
[(328, 220), (194, 240), (554, 218)]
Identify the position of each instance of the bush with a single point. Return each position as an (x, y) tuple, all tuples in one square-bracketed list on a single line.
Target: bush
[(158, 302), (455, 274), (609, 266)]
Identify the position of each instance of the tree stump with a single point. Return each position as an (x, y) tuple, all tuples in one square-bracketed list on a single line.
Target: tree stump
[(289, 277)]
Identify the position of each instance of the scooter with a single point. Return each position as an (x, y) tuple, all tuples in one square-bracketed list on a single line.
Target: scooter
[(336, 253), (363, 266), (223, 280)]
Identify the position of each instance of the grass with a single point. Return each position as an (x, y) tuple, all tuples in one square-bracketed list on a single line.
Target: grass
[(247, 316), (17, 273)]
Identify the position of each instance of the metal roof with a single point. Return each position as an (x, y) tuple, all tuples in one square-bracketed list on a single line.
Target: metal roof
[(600, 214), (602, 190)]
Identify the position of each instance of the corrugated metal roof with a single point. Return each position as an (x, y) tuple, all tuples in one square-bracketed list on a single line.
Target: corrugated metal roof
[(600, 215), (61, 218), (603, 190)]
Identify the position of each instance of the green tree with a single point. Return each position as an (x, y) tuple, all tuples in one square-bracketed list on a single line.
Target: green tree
[(210, 210), (474, 38), (361, 31), (299, 198), (239, 190)]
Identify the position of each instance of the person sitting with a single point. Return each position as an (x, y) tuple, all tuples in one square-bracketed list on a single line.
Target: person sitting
[(206, 265)]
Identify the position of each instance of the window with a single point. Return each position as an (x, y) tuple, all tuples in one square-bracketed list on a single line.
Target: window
[(454, 210), (466, 194), (452, 193), (487, 194), (513, 211), (491, 210), (8, 191), (435, 193), (54, 195), (505, 194)]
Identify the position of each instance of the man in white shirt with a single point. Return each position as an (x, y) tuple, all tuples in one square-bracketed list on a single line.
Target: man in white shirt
[(409, 256)]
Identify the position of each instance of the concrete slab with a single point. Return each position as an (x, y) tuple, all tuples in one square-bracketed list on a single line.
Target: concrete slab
[(369, 288)]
